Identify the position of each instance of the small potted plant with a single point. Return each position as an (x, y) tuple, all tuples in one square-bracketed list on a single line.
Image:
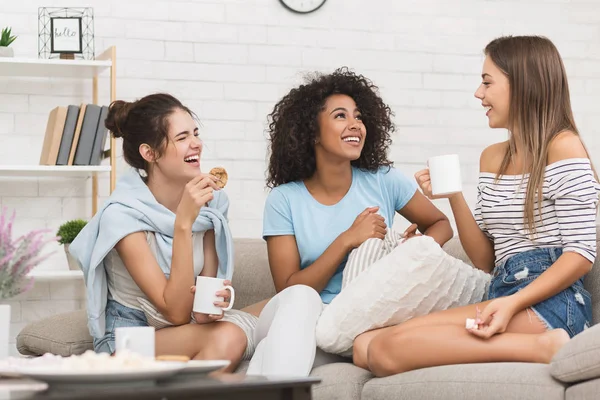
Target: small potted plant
[(5, 40), (67, 232)]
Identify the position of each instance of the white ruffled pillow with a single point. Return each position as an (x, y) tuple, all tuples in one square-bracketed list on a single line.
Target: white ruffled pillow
[(416, 278)]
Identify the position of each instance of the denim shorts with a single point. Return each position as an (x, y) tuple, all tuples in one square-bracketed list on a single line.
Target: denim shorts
[(117, 316), (570, 309)]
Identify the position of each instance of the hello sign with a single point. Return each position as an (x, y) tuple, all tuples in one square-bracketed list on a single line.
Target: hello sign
[(65, 35)]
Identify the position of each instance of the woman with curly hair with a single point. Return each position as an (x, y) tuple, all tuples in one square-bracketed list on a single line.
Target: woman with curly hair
[(333, 186)]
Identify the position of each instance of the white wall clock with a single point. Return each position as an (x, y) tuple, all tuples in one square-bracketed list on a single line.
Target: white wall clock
[(303, 6)]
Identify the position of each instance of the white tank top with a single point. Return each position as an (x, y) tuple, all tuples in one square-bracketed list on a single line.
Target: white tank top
[(121, 286)]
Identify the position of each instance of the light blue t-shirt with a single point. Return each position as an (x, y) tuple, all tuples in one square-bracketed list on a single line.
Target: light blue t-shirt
[(291, 210)]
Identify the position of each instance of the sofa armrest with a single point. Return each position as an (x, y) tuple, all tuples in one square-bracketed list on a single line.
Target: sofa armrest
[(579, 359)]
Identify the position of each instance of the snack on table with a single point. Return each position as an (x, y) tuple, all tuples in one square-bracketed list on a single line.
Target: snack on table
[(172, 358), (86, 362), (220, 173)]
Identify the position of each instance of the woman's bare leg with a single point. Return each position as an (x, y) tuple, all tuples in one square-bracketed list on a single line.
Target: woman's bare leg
[(453, 316), (405, 350), (213, 341)]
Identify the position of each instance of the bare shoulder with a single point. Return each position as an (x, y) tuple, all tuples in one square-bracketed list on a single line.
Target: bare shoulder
[(566, 145), (491, 157)]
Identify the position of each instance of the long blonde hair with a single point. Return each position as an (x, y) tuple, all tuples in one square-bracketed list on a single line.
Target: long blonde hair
[(540, 107)]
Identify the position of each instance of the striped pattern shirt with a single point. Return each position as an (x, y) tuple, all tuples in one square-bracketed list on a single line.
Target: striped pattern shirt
[(569, 199)]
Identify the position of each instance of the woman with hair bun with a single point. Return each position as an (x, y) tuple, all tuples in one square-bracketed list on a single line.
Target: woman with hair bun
[(166, 223)]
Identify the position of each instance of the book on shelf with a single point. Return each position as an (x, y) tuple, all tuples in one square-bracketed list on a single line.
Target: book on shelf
[(52, 139), (75, 135)]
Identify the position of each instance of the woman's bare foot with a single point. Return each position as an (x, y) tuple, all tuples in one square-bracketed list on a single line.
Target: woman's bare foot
[(550, 342)]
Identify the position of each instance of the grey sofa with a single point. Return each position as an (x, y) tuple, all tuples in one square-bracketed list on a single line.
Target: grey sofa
[(573, 374)]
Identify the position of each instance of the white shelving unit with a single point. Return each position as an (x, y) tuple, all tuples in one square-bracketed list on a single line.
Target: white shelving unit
[(33, 67), (74, 69), (52, 170), (59, 275)]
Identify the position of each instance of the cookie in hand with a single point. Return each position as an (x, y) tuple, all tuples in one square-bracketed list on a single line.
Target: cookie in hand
[(220, 173)]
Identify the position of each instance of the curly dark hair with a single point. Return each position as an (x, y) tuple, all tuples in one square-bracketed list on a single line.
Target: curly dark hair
[(293, 125)]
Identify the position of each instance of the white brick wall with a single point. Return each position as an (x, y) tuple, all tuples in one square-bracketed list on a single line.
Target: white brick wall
[(231, 60)]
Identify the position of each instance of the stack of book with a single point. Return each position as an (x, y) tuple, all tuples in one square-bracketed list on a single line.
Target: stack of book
[(75, 135)]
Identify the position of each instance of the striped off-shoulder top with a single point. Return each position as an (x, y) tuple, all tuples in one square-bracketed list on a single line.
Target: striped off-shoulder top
[(568, 209)]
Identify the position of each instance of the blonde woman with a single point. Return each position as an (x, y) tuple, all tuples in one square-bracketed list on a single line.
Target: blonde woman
[(534, 227)]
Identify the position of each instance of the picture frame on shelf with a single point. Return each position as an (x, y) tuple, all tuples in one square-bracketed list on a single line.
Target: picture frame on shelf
[(66, 33)]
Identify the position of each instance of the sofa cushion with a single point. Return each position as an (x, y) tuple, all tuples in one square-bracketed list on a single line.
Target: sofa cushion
[(62, 334), (490, 381), (252, 278), (583, 391), (339, 381), (579, 359)]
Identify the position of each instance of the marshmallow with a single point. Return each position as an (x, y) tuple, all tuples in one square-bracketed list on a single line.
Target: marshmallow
[(470, 324)]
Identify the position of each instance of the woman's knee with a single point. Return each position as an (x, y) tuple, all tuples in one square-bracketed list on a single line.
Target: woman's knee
[(301, 294), (380, 360), (227, 341), (359, 351)]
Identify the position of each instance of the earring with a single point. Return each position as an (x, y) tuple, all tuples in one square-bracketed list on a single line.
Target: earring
[(143, 173)]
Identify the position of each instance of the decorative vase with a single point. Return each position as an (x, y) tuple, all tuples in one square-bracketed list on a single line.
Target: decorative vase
[(6, 51), (4, 330), (73, 264)]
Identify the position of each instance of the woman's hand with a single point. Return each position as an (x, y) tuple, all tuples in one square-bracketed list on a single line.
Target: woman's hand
[(367, 225), (410, 232), (207, 318), (424, 181), (495, 317), (197, 193)]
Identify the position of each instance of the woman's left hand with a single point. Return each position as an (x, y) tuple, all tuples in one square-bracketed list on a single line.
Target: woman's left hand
[(410, 232), (207, 318), (225, 294), (495, 317)]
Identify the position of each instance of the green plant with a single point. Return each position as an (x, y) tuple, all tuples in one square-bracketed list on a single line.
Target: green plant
[(68, 231), (5, 38)]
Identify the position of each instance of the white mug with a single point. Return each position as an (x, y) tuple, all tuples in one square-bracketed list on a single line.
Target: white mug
[(444, 172), (206, 289), (137, 339)]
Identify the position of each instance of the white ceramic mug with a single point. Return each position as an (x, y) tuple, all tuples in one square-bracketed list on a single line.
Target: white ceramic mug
[(206, 289), (444, 172), (137, 339)]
